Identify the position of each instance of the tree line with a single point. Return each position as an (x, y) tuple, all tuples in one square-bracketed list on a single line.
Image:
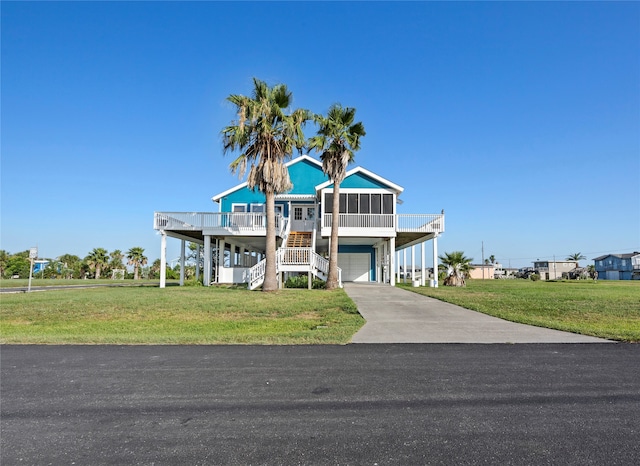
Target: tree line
[(98, 263)]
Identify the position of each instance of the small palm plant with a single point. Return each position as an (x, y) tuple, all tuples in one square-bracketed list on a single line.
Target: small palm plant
[(457, 267)]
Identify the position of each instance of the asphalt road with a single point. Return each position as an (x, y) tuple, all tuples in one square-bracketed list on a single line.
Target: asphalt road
[(356, 404)]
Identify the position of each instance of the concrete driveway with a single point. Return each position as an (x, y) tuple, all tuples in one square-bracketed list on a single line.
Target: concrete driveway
[(395, 315)]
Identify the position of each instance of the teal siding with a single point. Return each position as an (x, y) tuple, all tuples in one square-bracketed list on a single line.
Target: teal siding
[(241, 196), (361, 181), (304, 175)]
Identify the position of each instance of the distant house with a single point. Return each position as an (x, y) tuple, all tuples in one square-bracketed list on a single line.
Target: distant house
[(371, 232), (553, 270), (618, 266), (482, 271)]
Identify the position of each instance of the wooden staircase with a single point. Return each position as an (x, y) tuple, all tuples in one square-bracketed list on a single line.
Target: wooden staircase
[(299, 239)]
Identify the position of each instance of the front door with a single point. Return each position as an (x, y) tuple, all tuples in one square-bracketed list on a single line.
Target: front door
[(303, 217)]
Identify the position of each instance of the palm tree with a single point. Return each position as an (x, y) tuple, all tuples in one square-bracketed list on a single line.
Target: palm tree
[(578, 256), (96, 260), (136, 258), (337, 139), (457, 266), (265, 135)]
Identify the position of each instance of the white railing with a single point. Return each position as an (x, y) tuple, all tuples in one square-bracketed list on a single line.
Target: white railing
[(300, 259), (256, 274), (360, 221), (230, 221), (294, 256), (428, 223)]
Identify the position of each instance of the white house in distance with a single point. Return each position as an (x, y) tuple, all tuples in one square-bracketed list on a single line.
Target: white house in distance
[(372, 235)]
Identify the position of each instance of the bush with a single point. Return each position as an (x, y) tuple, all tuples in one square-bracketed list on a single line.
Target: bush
[(193, 282), (534, 277), (300, 281)]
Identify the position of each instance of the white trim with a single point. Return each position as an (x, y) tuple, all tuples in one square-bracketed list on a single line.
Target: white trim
[(262, 204), (301, 158), (366, 172)]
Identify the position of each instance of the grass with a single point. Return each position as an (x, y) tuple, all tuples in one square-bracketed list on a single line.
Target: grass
[(607, 309), (178, 315), (36, 282)]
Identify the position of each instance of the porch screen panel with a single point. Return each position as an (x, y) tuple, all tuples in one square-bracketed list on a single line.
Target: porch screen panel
[(387, 203), (376, 203), (328, 203), (352, 203), (364, 204), (343, 203)]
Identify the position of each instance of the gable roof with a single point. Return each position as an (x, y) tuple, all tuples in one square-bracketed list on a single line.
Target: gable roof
[(299, 159), (363, 171), (619, 256)]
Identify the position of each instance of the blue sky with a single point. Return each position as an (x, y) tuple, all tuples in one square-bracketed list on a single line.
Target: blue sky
[(521, 120)]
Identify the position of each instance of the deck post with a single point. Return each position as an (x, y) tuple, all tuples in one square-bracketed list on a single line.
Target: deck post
[(198, 263), (163, 259), (404, 265), (221, 246), (435, 261), (182, 243), (423, 273), (392, 261), (413, 268), (207, 261)]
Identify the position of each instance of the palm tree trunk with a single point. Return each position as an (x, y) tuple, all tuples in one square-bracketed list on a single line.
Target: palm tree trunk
[(270, 274), (332, 278), (98, 270), (135, 271)]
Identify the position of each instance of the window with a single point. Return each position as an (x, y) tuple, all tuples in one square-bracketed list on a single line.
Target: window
[(365, 203), (343, 203), (387, 203), (376, 203), (239, 208), (311, 213), (328, 203), (297, 213), (352, 203), (258, 208)]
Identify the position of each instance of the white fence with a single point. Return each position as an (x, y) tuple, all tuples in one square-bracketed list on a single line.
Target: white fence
[(229, 221), (428, 223)]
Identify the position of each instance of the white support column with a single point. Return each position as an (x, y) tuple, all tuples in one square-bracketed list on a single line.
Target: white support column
[(182, 245), (221, 246), (392, 261), (232, 255), (206, 275), (435, 261), (243, 258), (163, 259), (404, 265), (198, 263), (423, 272), (413, 268)]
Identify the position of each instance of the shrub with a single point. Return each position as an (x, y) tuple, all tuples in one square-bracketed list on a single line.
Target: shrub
[(300, 281), (534, 277)]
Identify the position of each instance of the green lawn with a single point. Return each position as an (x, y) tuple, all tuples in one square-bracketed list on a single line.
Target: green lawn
[(608, 309), (178, 315), (214, 315)]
